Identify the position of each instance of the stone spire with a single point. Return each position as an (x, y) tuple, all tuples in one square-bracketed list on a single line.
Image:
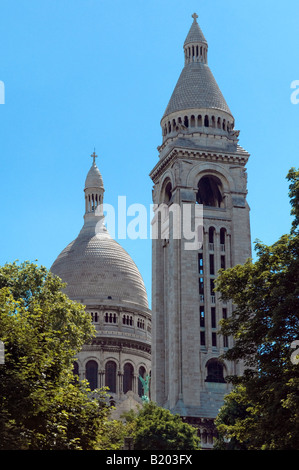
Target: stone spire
[(195, 45), (196, 104), (94, 189)]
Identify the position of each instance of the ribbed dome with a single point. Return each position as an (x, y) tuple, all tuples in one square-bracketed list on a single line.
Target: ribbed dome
[(196, 88), (96, 268), (94, 178)]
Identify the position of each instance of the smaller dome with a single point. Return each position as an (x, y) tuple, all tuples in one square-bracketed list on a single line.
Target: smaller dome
[(94, 178)]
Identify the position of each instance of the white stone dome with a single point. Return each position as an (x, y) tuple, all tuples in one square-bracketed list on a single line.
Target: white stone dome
[(98, 270), (94, 178)]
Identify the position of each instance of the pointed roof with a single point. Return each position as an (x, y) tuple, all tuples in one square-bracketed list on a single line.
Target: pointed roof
[(94, 178), (196, 87), (195, 33)]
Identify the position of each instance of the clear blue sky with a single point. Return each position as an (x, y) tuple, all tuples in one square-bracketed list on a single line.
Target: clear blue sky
[(80, 74)]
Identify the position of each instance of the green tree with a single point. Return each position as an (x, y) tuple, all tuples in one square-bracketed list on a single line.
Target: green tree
[(265, 327), (41, 405), (155, 428)]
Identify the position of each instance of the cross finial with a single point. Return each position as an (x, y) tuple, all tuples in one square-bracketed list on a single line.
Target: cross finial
[(94, 156), (194, 16)]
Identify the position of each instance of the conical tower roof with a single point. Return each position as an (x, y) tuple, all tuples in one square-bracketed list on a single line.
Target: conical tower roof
[(195, 33), (196, 87)]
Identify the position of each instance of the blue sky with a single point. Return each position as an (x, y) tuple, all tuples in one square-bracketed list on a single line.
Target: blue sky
[(80, 74)]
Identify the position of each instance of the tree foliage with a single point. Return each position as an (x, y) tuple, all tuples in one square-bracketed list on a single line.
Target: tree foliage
[(41, 406), (155, 428), (265, 327)]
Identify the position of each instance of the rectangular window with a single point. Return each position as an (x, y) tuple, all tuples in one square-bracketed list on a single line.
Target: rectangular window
[(200, 263), (225, 341), (214, 339), (213, 317), (212, 269), (222, 262), (212, 286), (201, 286), (202, 315), (202, 338), (224, 312)]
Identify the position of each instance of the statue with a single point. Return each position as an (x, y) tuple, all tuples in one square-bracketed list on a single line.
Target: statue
[(145, 386)]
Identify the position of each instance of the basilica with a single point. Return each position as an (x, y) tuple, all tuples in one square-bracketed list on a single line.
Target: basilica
[(170, 354)]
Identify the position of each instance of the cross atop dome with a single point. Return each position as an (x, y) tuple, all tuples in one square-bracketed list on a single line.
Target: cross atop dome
[(94, 156), (195, 16)]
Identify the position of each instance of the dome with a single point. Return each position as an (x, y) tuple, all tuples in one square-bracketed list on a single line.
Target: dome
[(98, 270), (94, 178)]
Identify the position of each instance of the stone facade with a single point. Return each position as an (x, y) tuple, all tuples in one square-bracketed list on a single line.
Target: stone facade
[(200, 165)]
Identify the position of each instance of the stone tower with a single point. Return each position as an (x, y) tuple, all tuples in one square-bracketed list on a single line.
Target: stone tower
[(201, 165)]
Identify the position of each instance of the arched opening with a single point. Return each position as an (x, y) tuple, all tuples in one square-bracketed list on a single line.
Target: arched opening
[(211, 234), (206, 120), (91, 374), (128, 377), (210, 192), (215, 371), (192, 121), (186, 121), (199, 121), (142, 374), (110, 376), (167, 192)]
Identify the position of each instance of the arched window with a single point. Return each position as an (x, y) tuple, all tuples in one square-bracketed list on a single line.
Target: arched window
[(91, 373), (215, 371), (222, 238), (211, 235), (128, 377), (110, 376), (140, 387), (210, 192), (167, 193)]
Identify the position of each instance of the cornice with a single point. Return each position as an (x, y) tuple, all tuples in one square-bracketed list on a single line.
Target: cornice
[(240, 157)]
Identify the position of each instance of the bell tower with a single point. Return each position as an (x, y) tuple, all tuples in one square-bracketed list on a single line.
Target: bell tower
[(201, 165)]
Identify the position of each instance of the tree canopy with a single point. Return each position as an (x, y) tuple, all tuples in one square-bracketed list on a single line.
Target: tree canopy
[(265, 328), (41, 405), (156, 428)]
